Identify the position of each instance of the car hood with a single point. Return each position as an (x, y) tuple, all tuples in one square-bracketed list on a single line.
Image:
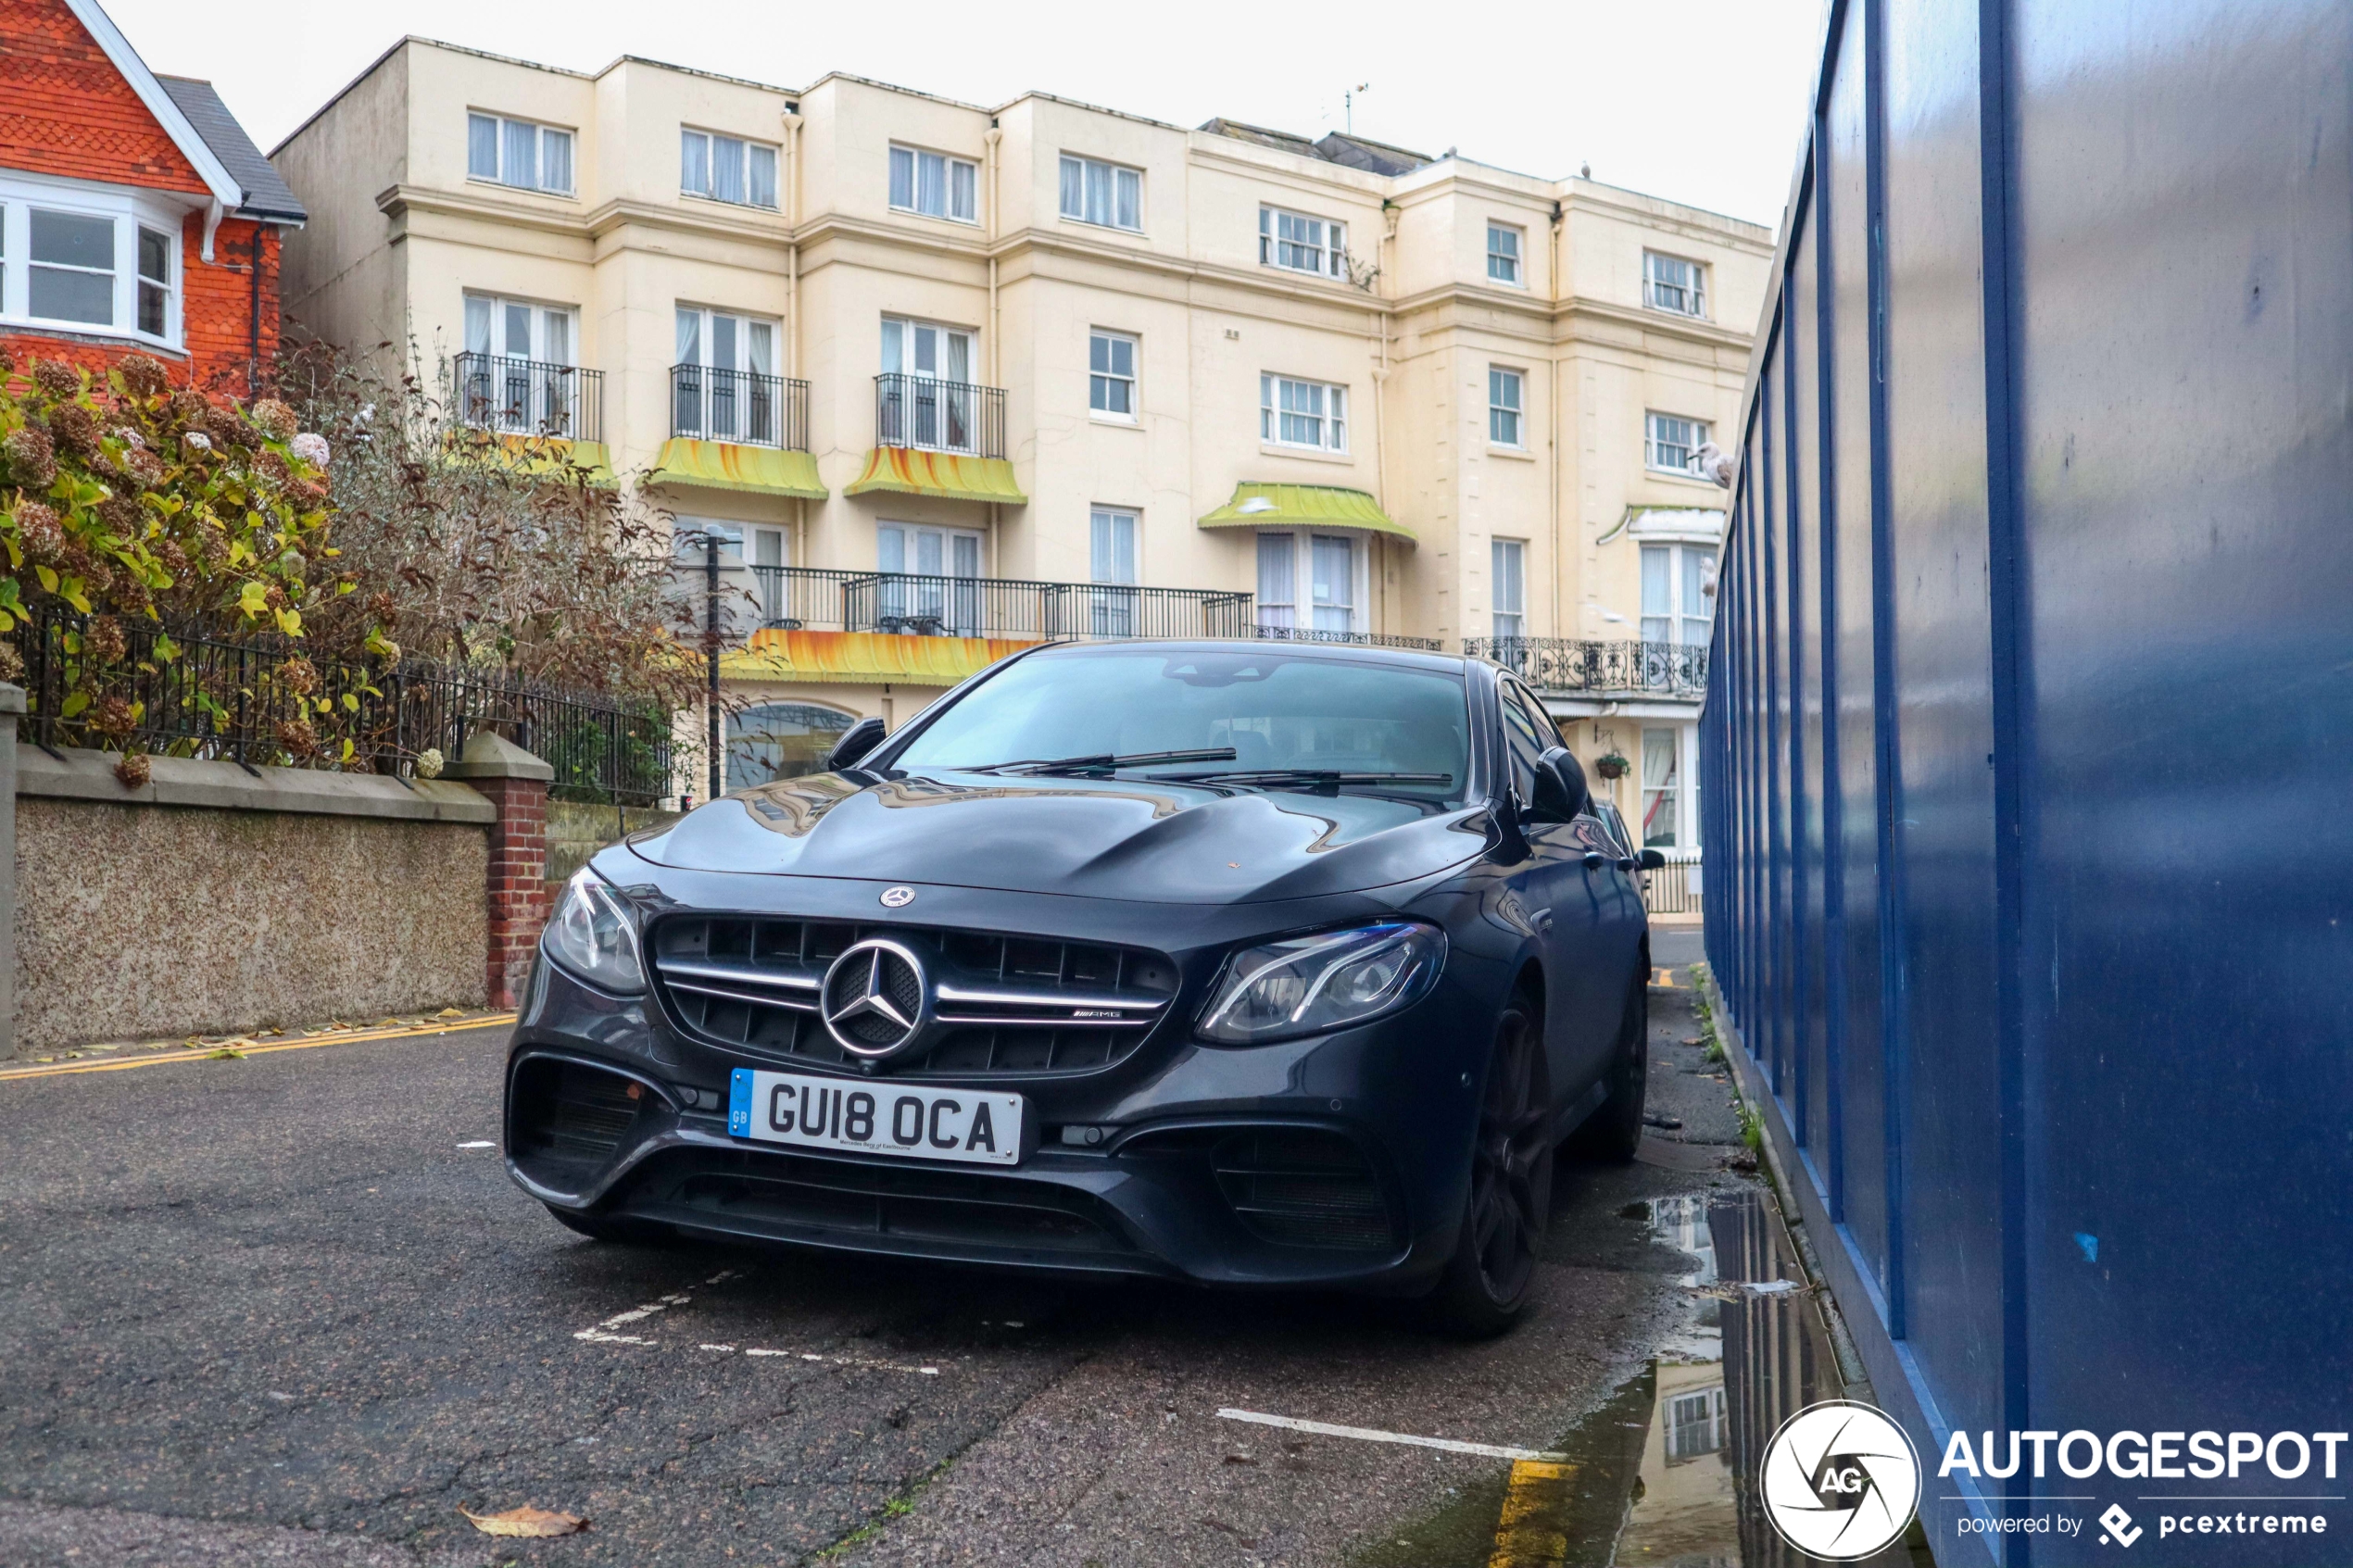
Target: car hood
[(1106, 838)]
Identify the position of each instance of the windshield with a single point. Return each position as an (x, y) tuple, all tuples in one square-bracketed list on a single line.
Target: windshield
[(1275, 710)]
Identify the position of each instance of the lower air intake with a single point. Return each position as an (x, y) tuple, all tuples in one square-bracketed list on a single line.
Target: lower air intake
[(570, 1116), (1304, 1188)]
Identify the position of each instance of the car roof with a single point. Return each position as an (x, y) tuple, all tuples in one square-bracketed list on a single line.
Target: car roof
[(1407, 659)]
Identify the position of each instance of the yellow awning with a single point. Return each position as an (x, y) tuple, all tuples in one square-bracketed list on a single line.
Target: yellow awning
[(865, 658), (724, 465), (1272, 506), (905, 471), (535, 454)]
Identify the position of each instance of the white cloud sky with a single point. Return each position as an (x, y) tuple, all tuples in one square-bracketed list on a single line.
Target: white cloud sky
[(1701, 101)]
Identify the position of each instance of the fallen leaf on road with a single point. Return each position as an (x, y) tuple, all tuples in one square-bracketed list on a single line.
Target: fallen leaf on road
[(527, 1521), (450, 1013), (226, 1053)]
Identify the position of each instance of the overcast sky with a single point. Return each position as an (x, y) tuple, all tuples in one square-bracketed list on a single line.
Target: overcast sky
[(1700, 100)]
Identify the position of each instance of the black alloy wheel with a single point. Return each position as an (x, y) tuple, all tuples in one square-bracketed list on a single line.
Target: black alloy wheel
[(1486, 1282)]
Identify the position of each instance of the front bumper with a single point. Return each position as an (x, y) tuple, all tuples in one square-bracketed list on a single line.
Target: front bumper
[(1339, 1160)]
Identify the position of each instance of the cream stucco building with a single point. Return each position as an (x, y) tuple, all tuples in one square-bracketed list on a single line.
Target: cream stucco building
[(947, 379)]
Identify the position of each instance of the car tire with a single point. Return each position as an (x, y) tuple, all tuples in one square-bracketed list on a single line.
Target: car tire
[(598, 1227), (1485, 1287), (1615, 1129)]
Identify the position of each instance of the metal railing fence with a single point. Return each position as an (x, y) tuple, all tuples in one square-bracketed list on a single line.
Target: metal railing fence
[(940, 416), (530, 397), (1576, 664), (270, 700), (742, 407)]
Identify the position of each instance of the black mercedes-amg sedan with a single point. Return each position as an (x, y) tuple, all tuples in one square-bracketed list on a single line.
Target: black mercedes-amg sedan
[(1249, 963)]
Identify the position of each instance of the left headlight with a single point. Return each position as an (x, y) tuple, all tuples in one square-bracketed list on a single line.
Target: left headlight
[(592, 934), (1310, 984)]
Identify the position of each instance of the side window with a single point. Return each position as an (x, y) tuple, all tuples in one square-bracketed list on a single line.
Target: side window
[(1523, 740)]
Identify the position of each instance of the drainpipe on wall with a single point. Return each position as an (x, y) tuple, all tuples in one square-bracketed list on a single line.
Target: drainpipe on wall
[(996, 354), (1553, 294), (710, 652), (1380, 405), (253, 320), (792, 301)]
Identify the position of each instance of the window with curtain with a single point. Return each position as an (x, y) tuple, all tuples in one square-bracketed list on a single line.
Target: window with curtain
[(1662, 788), (1508, 562), (935, 185), (1332, 561), (1112, 567), (1302, 413), (519, 153), (1278, 577), (1671, 443), (1300, 243), (1677, 586), (1504, 246), (1111, 374), (1504, 393), (1107, 195), (727, 169)]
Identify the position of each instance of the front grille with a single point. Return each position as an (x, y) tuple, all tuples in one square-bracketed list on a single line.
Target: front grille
[(568, 1114), (1302, 1186), (792, 1192), (1004, 1004)]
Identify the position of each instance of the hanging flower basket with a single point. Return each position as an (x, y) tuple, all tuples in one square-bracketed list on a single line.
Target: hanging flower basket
[(1612, 766)]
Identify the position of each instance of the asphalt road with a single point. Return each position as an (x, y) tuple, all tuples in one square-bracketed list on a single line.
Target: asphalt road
[(276, 1311)]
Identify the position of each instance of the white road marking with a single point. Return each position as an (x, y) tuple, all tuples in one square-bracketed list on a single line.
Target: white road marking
[(479, 1143), (1368, 1435), (721, 1349), (603, 1333)]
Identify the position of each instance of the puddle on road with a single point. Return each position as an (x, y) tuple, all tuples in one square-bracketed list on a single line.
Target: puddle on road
[(1654, 1476)]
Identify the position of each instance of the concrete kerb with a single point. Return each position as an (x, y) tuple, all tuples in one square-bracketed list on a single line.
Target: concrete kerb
[(11, 705)]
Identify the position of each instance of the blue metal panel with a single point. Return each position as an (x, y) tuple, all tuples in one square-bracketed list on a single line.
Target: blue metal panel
[(2033, 716)]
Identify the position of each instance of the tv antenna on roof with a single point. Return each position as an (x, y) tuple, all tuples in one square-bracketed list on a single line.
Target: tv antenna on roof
[(1348, 104)]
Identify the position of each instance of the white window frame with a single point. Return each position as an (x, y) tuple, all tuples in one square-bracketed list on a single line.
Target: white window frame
[(1507, 416), (748, 331), (1294, 549), (1318, 246), (709, 143), (1684, 566), (1686, 789), (1655, 289), (1279, 397), (1654, 449), (1104, 382), (502, 400), (1113, 560), (959, 177), (129, 212), (1507, 586), (539, 153), (1123, 186), (1516, 259), (501, 341)]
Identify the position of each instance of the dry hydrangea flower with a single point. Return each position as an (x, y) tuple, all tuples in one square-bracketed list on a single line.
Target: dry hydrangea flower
[(311, 448)]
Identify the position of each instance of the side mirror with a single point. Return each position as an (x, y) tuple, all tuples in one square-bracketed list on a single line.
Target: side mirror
[(1651, 860), (1562, 793), (855, 743)]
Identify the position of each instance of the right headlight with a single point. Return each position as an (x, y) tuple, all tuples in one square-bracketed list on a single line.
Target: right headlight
[(592, 934), (1311, 984)]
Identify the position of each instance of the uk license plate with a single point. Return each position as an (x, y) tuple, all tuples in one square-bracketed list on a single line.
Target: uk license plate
[(961, 1124)]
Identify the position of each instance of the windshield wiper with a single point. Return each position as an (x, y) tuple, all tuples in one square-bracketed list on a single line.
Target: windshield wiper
[(1104, 762), (1306, 778)]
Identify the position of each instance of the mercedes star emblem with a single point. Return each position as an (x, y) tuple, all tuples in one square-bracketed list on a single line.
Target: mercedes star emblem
[(876, 998), (897, 898)]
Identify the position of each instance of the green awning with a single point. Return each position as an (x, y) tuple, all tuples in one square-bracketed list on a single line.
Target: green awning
[(904, 471), (724, 465), (1274, 506)]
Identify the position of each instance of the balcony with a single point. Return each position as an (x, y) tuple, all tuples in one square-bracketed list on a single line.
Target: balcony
[(530, 397), (1675, 671), (927, 415), (913, 603), (741, 407)]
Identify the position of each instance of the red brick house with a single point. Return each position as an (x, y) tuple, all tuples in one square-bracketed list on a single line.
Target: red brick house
[(134, 211)]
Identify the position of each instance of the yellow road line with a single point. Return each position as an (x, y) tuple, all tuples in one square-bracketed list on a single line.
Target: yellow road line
[(1531, 1532), (211, 1053)]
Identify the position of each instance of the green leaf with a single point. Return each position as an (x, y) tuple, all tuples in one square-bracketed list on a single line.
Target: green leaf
[(74, 704), (350, 703), (165, 649), (290, 621), (73, 596), (253, 599), (49, 578)]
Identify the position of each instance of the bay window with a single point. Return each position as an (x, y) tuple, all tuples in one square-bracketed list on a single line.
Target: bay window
[(1677, 582), (89, 260), (1312, 583)]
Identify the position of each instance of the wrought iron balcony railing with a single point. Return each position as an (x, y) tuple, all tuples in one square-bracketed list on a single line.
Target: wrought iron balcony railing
[(940, 416), (1576, 664), (742, 407), (1357, 639), (530, 397), (918, 604)]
